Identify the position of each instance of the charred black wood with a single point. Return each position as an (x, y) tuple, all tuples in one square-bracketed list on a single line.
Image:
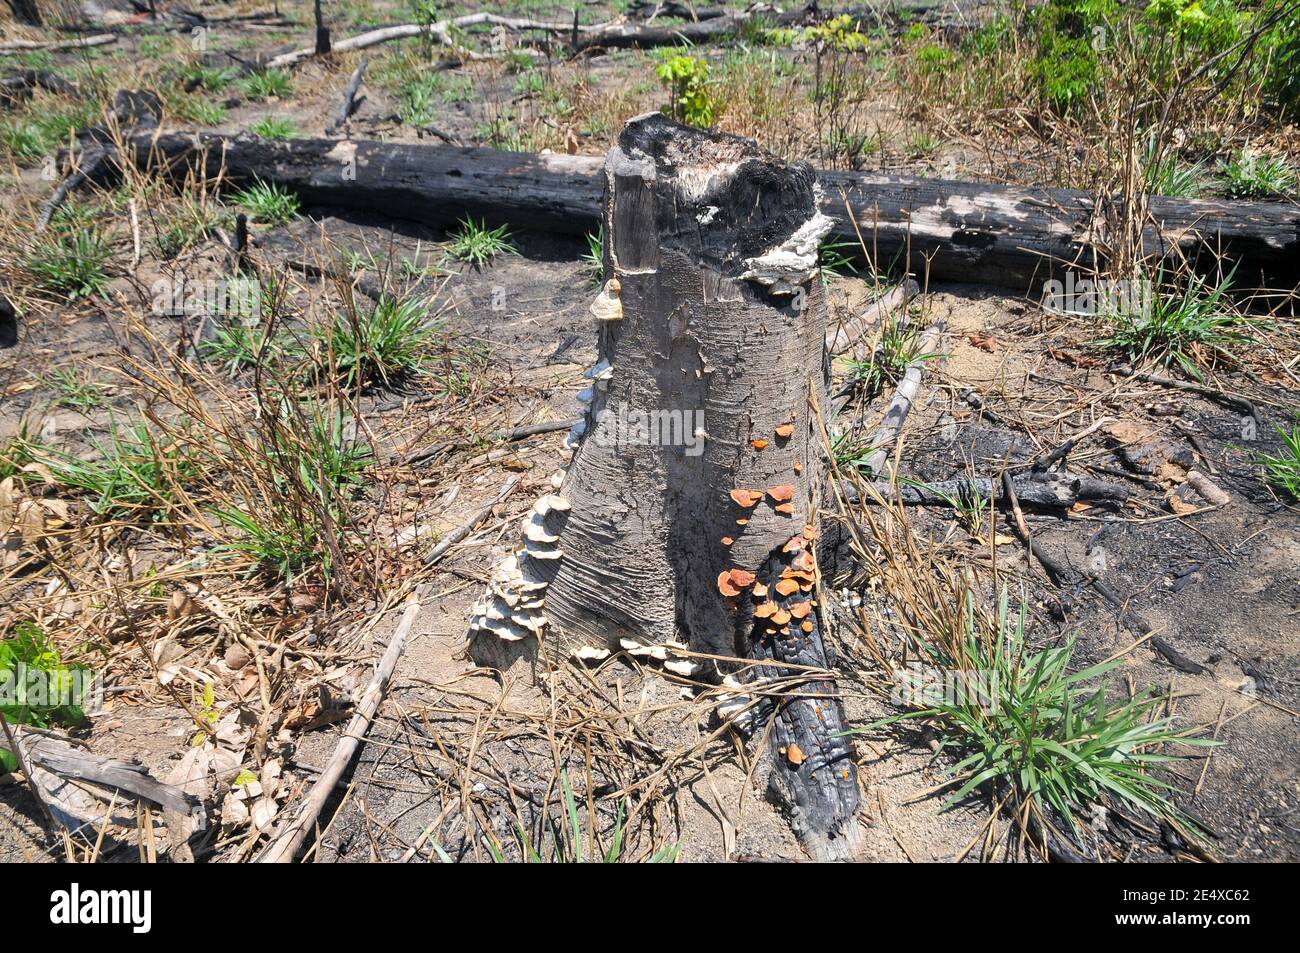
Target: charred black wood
[(19, 85), (813, 775), (1013, 236), (1058, 489), (350, 103), (8, 323)]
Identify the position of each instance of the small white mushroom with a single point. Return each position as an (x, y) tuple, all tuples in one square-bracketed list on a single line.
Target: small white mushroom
[(540, 551), (735, 708), (608, 306), (681, 666), (557, 479), (505, 630), (555, 502), (587, 653), (573, 439), (536, 532), (656, 652)]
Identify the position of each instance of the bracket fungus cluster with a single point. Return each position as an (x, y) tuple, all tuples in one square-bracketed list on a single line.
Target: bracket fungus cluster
[(514, 607), (788, 267)]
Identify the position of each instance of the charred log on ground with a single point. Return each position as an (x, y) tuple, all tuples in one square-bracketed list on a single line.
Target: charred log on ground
[(1012, 236)]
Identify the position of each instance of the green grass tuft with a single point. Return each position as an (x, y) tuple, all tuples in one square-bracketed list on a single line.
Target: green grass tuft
[(381, 346), (268, 84), (1250, 175), (476, 244), (133, 476), (1019, 722), (1183, 328), (268, 203), (1282, 470), (73, 264), (273, 127)]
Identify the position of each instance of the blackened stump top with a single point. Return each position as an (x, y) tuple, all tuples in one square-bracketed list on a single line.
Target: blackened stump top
[(719, 196)]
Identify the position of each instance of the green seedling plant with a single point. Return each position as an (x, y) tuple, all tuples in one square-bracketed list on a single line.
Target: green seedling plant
[(204, 711), (686, 78), (898, 349), (239, 346), (565, 844), (28, 658)]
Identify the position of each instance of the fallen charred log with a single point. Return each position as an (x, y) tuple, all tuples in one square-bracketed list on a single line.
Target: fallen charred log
[(1055, 489), (962, 231)]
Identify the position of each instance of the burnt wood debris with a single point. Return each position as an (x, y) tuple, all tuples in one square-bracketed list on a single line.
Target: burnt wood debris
[(1014, 236)]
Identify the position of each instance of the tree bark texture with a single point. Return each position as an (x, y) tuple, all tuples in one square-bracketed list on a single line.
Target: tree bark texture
[(685, 515)]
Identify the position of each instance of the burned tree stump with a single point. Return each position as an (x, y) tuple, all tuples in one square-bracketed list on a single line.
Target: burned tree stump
[(697, 462)]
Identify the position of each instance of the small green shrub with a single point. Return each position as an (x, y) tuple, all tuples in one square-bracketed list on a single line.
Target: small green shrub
[(686, 78), (36, 687)]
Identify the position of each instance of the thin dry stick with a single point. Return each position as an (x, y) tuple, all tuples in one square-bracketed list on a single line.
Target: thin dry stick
[(463, 530), (1205, 766), (896, 413), (290, 842)]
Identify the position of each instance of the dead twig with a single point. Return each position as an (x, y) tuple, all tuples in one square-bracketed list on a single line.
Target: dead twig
[(286, 847)]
